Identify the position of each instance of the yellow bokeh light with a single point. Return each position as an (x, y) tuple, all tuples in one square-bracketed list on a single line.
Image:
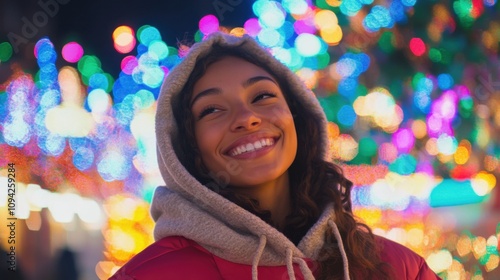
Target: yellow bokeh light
[(333, 130), (440, 261), (492, 241), (326, 19), (431, 147), (492, 263), (419, 129), (124, 39), (309, 77), (483, 183), (434, 32), (104, 269), (69, 120), (488, 40), (72, 91), (334, 3), (238, 31), (479, 246), (371, 216), (332, 36), (380, 105), (121, 240), (464, 245), (444, 158), (461, 155), (122, 30), (415, 237), (344, 148), (490, 163)]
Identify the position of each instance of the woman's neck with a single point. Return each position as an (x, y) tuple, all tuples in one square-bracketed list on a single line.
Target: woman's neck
[(274, 197)]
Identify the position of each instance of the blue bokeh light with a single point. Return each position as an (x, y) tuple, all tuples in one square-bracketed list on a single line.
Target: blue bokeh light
[(445, 81), (83, 158)]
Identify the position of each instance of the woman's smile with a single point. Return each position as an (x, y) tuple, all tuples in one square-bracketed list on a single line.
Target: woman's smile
[(249, 147)]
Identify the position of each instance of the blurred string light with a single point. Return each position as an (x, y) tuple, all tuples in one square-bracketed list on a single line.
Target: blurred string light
[(5, 52), (208, 24), (16, 130), (380, 108), (63, 207), (69, 119), (124, 39), (72, 52), (417, 46), (468, 10), (379, 17), (451, 192), (128, 231)]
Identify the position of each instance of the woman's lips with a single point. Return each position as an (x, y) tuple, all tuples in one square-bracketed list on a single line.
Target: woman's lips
[(251, 147)]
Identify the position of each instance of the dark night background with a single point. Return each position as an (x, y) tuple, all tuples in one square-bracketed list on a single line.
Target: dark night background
[(91, 23)]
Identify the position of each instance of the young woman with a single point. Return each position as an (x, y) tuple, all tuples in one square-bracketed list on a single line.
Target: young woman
[(250, 191)]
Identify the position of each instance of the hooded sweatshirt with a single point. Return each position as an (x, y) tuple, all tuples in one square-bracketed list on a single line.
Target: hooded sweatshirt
[(186, 208)]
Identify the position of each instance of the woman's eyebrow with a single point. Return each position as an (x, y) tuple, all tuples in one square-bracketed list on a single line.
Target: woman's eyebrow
[(247, 83), (256, 79), (210, 91)]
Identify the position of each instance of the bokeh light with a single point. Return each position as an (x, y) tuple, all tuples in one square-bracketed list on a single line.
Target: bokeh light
[(72, 52), (5, 52), (124, 39), (209, 24)]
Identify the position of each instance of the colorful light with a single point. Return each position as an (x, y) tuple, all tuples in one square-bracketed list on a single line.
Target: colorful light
[(158, 48), (124, 39), (417, 46), (208, 24), (72, 52), (404, 140), (147, 34), (252, 27), (5, 52), (378, 17), (128, 64), (452, 192)]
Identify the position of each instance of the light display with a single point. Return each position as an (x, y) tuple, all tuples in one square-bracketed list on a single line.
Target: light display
[(413, 117)]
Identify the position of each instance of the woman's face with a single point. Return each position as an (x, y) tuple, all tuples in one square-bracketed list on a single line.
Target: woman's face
[(242, 124)]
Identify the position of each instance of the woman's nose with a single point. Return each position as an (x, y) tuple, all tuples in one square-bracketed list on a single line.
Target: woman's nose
[(245, 118)]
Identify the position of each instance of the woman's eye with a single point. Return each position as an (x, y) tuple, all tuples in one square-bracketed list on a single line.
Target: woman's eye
[(206, 111), (264, 95)]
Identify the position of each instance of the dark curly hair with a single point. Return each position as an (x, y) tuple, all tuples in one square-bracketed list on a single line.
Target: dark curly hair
[(314, 182)]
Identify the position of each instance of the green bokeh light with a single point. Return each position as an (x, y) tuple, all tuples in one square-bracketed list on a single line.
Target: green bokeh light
[(5, 52)]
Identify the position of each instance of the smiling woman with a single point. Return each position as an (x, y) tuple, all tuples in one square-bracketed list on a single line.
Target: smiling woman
[(250, 190), (247, 121)]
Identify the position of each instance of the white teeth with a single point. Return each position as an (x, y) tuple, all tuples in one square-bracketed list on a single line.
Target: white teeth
[(250, 147), (263, 143), (257, 145)]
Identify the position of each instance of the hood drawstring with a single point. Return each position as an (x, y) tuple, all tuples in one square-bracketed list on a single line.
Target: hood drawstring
[(290, 259), (258, 254), (289, 264), (336, 233), (304, 268)]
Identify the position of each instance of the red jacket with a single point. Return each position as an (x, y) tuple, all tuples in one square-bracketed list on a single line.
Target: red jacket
[(176, 257)]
